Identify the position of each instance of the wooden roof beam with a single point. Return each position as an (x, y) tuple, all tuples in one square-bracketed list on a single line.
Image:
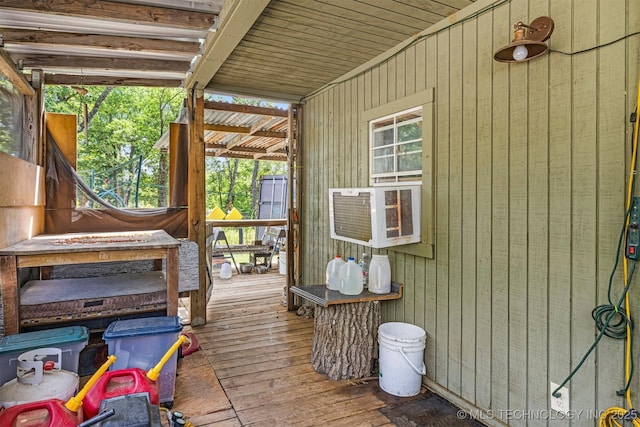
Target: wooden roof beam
[(94, 62), (242, 138), (9, 69), (278, 146), (236, 19), (252, 150), (226, 128), (105, 9), (81, 80), (134, 44), (247, 109), (270, 134), (232, 155)]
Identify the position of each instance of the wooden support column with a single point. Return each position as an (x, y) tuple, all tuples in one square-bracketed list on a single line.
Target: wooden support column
[(293, 201), (196, 199), (10, 294)]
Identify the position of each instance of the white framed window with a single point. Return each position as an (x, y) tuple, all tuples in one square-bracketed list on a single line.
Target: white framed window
[(401, 135), (396, 145)]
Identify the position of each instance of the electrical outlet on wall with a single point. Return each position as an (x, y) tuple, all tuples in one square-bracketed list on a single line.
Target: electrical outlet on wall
[(560, 404)]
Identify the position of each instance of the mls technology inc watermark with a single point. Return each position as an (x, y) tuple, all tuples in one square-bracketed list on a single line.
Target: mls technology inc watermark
[(529, 414)]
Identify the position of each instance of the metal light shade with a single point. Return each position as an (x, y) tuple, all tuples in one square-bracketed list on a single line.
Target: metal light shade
[(532, 39)]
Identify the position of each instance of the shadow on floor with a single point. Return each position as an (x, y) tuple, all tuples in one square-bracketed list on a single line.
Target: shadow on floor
[(425, 410)]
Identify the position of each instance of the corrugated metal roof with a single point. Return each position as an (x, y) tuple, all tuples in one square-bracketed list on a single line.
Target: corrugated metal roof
[(255, 135), (154, 41)]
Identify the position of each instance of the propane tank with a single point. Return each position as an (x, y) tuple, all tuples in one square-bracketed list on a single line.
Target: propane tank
[(38, 377)]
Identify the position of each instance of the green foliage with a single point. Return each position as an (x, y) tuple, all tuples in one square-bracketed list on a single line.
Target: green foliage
[(218, 180), (126, 125)]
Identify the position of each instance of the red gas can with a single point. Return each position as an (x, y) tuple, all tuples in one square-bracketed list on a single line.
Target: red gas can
[(44, 413), (118, 383)]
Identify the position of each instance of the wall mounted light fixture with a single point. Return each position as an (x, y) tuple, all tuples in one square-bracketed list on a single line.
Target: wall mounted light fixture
[(528, 41)]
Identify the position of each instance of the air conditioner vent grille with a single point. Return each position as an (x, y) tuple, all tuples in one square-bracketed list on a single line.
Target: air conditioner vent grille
[(352, 216)]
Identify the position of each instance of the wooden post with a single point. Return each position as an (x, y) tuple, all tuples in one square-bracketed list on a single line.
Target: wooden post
[(345, 340), (10, 294), (196, 198), (293, 202)]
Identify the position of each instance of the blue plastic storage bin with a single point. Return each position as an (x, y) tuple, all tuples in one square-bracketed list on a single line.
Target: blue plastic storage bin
[(141, 343), (71, 340)]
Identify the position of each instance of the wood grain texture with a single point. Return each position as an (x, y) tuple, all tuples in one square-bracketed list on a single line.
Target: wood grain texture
[(344, 344), (254, 367), (10, 295), (196, 198)]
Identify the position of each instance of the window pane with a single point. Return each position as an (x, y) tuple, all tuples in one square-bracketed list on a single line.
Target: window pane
[(383, 151), (383, 165), (410, 147), (410, 162), (383, 137), (410, 131), (396, 146)]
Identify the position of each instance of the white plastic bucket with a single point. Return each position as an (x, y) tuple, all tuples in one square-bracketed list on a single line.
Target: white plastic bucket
[(401, 358)]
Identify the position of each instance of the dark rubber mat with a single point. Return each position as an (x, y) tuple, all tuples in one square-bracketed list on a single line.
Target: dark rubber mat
[(426, 410)]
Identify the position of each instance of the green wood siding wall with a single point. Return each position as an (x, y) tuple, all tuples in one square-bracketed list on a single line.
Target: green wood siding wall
[(530, 180)]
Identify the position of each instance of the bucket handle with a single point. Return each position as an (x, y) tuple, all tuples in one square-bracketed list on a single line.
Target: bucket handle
[(421, 371)]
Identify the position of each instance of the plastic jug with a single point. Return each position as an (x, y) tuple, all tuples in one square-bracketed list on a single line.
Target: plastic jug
[(225, 271), (380, 275), (333, 280), (351, 275)]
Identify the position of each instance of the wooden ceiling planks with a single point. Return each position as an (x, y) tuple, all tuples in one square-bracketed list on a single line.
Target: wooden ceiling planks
[(298, 46)]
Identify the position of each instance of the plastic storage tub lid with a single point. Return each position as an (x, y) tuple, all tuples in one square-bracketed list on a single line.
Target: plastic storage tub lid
[(142, 326), (47, 338)]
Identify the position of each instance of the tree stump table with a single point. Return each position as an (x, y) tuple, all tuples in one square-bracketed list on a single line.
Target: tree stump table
[(345, 330)]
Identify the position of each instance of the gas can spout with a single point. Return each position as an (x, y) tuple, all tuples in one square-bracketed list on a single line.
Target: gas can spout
[(154, 372), (75, 402)]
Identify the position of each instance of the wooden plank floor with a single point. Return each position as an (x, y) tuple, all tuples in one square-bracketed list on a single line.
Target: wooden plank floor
[(254, 366)]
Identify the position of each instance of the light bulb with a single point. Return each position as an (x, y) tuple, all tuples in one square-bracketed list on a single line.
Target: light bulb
[(520, 52)]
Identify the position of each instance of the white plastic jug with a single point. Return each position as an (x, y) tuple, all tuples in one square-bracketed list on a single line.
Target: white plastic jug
[(351, 275), (333, 273), (380, 275), (225, 271)]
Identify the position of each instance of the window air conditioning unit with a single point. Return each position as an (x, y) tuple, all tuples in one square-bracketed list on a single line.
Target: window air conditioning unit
[(376, 216)]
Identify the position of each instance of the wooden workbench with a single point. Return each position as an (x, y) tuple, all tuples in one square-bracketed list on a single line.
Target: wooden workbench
[(81, 248), (345, 330)]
